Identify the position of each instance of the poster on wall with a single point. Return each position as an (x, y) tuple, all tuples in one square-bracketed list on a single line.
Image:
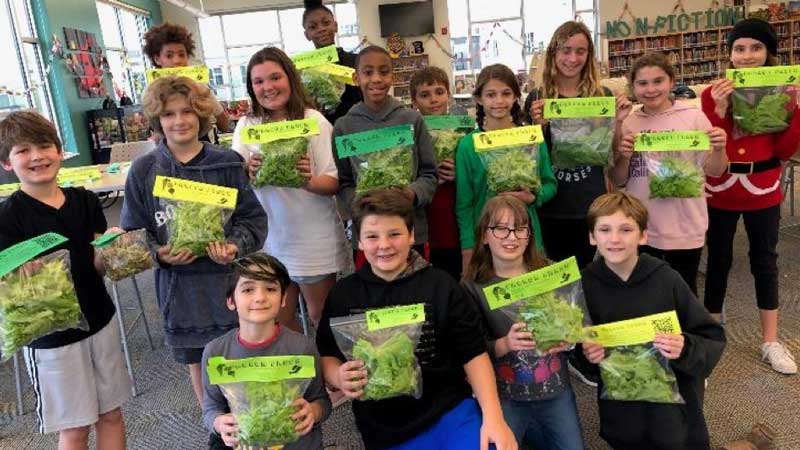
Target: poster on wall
[(85, 63)]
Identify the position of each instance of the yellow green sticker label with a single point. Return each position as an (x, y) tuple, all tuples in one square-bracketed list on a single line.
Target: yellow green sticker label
[(193, 191), (374, 140), (634, 331), (77, 176), (318, 57), (22, 252), (7, 189), (531, 284), (669, 141), (510, 137), (764, 76), (572, 108), (106, 239), (196, 73), (273, 131), (378, 319), (341, 73), (260, 368), (449, 122)]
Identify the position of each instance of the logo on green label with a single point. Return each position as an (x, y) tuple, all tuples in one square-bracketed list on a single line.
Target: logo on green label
[(532, 284), (395, 316)]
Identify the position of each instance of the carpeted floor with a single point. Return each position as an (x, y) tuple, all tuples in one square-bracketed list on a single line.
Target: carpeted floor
[(741, 391)]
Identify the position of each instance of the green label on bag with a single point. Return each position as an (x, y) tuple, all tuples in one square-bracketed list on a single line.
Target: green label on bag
[(196, 73), (273, 131), (20, 253), (106, 239), (532, 284), (77, 176), (572, 108), (374, 140), (764, 76), (634, 331), (490, 140), (378, 319), (449, 122), (193, 191), (7, 189), (340, 73), (318, 57), (260, 368), (670, 141)]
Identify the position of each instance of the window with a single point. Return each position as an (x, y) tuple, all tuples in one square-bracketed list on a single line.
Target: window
[(23, 82), (228, 41), (123, 35)]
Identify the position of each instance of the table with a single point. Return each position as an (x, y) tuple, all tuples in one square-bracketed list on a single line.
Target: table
[(112, 179)]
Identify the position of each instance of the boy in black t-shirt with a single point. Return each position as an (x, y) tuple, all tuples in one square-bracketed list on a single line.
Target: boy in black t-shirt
[(79, 377)]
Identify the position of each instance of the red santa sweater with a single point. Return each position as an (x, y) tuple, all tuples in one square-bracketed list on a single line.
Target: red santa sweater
[(743, 192)]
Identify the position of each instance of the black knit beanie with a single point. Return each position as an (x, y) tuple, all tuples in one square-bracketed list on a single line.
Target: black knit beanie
[(755, 29)]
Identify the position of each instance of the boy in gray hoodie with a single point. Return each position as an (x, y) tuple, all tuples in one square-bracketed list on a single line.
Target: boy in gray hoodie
[(379, 110)]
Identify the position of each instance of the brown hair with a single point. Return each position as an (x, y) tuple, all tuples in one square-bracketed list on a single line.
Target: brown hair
[(589, 84), (258, 266), (26, 127), (166, 33), (382, 202), (199, 96), (428, 75), (503, 74), (298, 100), (609, 204), (651, 59), (481, 267)]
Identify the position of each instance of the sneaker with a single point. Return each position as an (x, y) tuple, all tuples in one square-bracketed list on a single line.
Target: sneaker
[(778, 357), (580, 369), (215, 442)]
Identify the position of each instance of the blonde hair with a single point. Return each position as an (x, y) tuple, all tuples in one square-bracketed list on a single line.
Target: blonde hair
[(613, 202), (589, 85), (199, 97)]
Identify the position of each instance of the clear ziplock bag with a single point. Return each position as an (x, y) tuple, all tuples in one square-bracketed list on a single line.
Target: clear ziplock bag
[(549, 301), (582, 131), (260, 392), (323, 79), (638, 373), (673, 161), (445, 133), (763, 99), (381, 158), (281, 145), (388, 353), (511, 158), (124, 255), (195, 213), (37, 296)]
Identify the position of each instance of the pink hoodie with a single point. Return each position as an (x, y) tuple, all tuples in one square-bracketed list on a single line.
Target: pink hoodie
[(675, 223)]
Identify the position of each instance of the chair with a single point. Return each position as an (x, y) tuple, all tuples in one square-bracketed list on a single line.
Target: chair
[(123, 331), (128, 151), (787, 181)]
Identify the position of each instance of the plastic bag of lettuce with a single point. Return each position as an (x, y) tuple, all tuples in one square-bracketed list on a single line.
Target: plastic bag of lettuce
[(511, 158), (549, 301), (384, 339), (281, 145), (381, 158), (124, 255), (260, 392), (37, 295), (673, 161), (764, 99), (638, 373), (445, 133), (582, 131)]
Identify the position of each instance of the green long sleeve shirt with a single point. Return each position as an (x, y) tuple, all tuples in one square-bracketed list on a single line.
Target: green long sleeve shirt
[(472, 191)]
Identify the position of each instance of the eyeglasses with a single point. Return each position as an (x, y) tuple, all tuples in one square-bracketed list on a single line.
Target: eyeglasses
[(501, 232)]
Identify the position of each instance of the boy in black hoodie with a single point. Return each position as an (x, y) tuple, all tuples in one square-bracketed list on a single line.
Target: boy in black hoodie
[(451, 352), (626, 285)]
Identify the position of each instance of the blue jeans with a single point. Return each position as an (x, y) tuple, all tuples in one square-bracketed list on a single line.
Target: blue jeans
[(550, 424), (459, 429)]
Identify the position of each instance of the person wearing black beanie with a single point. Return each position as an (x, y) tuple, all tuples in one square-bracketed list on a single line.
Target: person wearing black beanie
[(755, 29)]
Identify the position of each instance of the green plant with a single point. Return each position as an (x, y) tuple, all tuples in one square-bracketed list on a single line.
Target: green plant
[(511, 170), (391, 367), (267, 419), (194, 226), (769, 115), (676, 178), (445, 143), (552, 320), (634, 373), (279, 163), (385, 169), (576, 150)]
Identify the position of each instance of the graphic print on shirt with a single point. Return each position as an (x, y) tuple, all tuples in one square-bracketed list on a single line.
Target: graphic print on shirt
[(524, 375)]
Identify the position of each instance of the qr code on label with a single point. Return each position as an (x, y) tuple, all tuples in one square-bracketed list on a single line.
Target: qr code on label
[(663, 326)]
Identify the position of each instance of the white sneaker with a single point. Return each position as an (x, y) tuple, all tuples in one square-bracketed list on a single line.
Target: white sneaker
[(778, 357)]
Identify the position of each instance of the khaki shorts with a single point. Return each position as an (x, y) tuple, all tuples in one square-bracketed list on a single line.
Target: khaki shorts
[(76, 383)]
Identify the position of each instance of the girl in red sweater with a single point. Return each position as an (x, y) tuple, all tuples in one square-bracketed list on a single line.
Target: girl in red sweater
[(749, 188)]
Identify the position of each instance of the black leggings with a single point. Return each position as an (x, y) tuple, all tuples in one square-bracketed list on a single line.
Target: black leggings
[(762, 228), (567, 237), (685, 262)]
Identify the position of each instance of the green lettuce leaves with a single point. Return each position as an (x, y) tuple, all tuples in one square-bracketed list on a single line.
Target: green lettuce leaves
[(551, 320), (511, 170), (634, 373), (267, 419), (279, 164), (36, 304), (194, 226), (577, 150), (385, 169), (325, 91), (676, 178), (391, 367), (126, 256), (769, 115), (445, 143)]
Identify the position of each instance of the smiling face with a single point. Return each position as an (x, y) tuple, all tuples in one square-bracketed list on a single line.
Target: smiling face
[(509, 249), (652, 86), (618, 238), (432, 99), (374, 78), (748, 53), (497, 98), (271, 87), (179, 121), (257, 302), (320, 28), (172, 55), (34, 164), (571, 56), (386, 242)]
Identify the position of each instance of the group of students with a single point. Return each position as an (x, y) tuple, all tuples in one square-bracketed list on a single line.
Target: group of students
[(476, 364)]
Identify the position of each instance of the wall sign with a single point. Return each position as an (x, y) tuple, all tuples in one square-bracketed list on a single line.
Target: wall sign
[(674, 23)]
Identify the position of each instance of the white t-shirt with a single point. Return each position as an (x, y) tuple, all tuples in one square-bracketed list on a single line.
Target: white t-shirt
[(305, 231)]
